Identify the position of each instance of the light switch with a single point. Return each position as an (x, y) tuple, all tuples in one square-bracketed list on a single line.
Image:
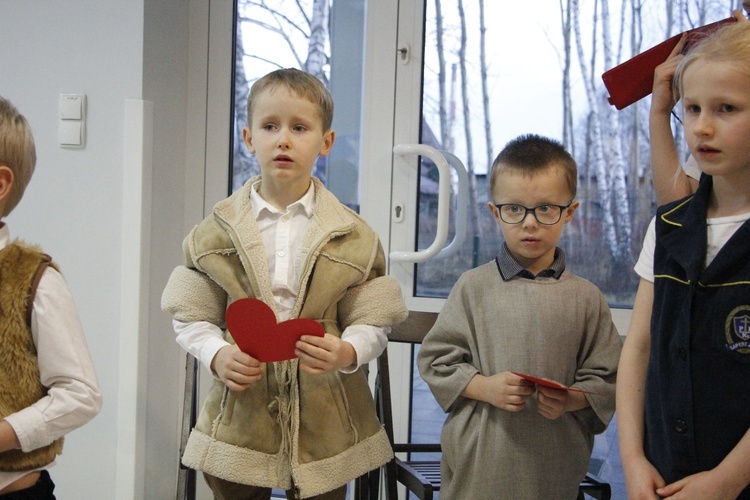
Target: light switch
[(70, 133), (71, 125), (72, 106)]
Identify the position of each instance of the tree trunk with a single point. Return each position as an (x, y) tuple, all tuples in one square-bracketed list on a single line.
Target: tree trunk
[(485, 92), (442, 109), (611, 138), (317, 58), (596, 163), (473, 228), (244, 169), (567, 102)]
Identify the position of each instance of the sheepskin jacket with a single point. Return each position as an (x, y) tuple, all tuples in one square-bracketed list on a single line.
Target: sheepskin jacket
[(291, 429), (20, 384)]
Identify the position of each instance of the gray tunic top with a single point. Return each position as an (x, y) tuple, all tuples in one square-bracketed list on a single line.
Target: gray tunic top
[(555, 328)]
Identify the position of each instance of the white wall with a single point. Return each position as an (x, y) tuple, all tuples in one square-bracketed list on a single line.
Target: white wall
[(112, 219)]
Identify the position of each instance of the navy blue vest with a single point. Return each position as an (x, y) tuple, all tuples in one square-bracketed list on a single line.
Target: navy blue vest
[(698, 382)]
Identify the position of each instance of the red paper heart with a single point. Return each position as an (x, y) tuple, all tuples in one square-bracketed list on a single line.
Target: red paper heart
[(253, 327)]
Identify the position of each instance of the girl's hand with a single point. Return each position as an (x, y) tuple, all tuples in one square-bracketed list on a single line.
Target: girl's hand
[(662, 99), (238, 370), (704, 484), (641, 479), (318, 355)]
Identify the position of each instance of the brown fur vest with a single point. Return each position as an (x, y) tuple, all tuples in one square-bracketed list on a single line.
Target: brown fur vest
[(20, 387)]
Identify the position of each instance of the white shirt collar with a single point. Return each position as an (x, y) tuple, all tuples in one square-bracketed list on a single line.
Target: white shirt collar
[(306, 203), (4, 235)]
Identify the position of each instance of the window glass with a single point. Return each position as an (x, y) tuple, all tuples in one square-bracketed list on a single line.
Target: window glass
[(322, 37), (496, 70)]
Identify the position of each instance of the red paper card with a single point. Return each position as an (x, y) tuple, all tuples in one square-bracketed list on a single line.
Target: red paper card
[(633, 80), (550, 383), (253, 327)]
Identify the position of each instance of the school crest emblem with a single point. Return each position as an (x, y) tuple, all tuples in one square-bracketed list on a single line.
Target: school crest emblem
[(737, 330)]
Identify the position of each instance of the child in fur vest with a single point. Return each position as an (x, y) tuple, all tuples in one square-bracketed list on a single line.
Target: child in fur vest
[(48, 386)]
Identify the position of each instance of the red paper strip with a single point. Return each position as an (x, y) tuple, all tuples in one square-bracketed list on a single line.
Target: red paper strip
[(550, 383)]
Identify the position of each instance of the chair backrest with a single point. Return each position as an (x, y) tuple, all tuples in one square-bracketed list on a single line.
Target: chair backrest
[(411, 331), (414, 328)]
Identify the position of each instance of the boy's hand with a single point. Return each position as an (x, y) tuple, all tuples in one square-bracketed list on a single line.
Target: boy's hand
[(503, 390), (551, 403), (641, 479), (662, 100), (318, 355), (238, 370)]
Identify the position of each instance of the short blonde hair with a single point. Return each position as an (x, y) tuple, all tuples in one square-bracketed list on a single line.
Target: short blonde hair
[(729, 43), (17, 151), (301, 83)]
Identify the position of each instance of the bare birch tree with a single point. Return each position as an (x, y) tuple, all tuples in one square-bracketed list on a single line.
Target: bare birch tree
[(245, 164), (567, 102), (442, 95), (596, 164), (484, 78), (474, 213), (317, 57), (611, 140)]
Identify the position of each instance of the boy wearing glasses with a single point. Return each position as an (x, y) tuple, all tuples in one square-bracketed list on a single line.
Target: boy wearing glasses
[(523, 316)]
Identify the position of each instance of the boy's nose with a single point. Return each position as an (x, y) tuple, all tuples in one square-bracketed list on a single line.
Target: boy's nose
[(284, 140), (529, 220)]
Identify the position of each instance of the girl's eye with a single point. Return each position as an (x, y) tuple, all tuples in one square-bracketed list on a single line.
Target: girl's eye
[(692, 108), (727, 108)]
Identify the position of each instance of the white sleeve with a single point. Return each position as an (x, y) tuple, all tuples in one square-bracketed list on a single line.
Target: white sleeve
[(645, 265), (368, 342), (201, 339), (65, 368)]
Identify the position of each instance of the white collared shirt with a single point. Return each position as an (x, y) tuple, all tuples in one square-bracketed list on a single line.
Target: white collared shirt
[(65, 368), (282, 234)]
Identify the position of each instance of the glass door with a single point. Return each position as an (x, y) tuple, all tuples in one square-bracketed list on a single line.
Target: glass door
[(470, 76)]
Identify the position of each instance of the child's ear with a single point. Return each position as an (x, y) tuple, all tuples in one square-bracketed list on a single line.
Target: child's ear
[(247, 138), (494, 211), (6, 181), (328, 137), (570, 211)]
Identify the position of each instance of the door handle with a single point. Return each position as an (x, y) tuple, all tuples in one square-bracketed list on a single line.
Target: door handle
[(441, 234), (462, 206)]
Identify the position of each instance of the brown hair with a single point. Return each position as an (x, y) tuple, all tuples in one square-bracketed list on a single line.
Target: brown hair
[(17, 151), (299, 82), (529, 154)]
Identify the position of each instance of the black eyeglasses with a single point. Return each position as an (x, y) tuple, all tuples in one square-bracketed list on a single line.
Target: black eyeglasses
[(513, 213)]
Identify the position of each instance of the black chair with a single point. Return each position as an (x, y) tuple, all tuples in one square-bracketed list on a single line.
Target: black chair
[(422, 477), (591, 486), (186, 480)]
